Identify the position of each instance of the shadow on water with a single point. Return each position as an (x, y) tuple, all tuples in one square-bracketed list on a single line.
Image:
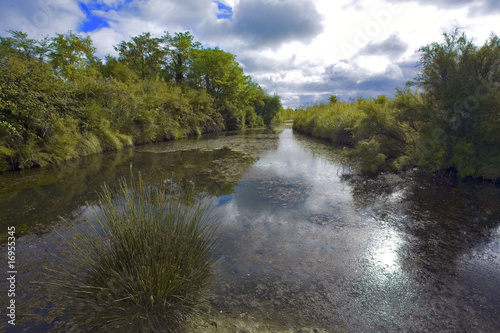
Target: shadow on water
[(451, 234), (442, 221), (32, 199)]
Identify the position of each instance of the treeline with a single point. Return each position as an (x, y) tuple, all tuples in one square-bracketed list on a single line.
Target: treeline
[(59, 101), (453, 125)]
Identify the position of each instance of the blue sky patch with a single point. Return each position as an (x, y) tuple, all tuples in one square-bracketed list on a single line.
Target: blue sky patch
[(93, 22), (225, 199), (225, 12)]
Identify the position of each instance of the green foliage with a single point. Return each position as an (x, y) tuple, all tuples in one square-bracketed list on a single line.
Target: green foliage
[(144, 54), (58, 101), (452, 125), (147, 265), (217, 72), (33, 101), (285, 114), (462, 82), (332, 122), (368, 154), (269, 108), (18, 44), (180, 47), (333, 99), (71, 54), (378, 121)]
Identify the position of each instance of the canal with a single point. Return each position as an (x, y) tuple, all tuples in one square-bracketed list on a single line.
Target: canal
[(304, 240)]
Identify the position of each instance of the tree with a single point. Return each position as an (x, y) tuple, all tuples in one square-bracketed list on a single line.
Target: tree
[(333, 99), (70, 54), (146, 55), (462, 83), (218, 72), (179, 51), (18, 44), (117, 69), (269, 108)]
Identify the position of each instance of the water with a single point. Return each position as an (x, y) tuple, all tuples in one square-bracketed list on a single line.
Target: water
[(304, 241)]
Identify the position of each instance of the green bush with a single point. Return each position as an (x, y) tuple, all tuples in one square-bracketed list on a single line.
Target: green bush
[(58, 101), (146, 266), (333, 122), (452, 125), (368, 154)]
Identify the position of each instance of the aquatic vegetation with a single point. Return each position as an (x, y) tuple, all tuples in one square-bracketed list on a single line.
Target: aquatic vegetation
[(146, 265)]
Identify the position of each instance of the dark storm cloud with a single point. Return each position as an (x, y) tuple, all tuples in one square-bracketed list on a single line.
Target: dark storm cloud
[(380, 84), (349, 82), (271, 23), (393, 47)]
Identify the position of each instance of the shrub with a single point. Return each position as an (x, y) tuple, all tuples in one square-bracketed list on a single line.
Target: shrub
[(367, 153), (146, 266)]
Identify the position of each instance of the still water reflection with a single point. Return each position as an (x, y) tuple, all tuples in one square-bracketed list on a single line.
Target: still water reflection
[(304, 241)]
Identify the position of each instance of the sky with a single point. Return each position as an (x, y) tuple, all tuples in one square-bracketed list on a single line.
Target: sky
[(302, 50)]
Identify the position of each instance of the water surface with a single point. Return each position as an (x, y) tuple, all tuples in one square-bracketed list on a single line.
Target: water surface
[(304, 241)]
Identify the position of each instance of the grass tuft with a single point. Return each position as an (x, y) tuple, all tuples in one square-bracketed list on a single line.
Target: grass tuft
[(147, 265)]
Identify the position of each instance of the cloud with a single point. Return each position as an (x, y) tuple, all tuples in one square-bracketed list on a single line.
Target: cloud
[(176, 15), (392, 47), (351, 77), (105, 39), (42, 17), (272, 23), (348, 79), (260, 63), (475, 6)]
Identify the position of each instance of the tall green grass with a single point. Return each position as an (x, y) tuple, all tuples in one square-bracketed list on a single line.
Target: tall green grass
[(147, 265), (333, 121), (375, 132)]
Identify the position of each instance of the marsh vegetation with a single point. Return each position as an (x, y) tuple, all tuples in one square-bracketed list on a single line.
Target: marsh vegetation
[(59, 101), (451, 125), (305, 241), (145, 264)]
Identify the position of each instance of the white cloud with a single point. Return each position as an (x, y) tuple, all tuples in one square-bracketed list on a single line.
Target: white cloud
[(39, 18), (373, 64), (105, 39), (230, 3)]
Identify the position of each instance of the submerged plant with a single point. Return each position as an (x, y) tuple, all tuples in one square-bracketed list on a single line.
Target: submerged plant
[(147, 265)]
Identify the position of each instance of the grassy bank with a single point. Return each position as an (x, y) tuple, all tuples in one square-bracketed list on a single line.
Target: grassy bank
[(58, 101), (452, 125), (371, 131)]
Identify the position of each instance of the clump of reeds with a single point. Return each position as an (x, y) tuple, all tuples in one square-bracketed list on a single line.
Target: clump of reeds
[(147, 265)]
